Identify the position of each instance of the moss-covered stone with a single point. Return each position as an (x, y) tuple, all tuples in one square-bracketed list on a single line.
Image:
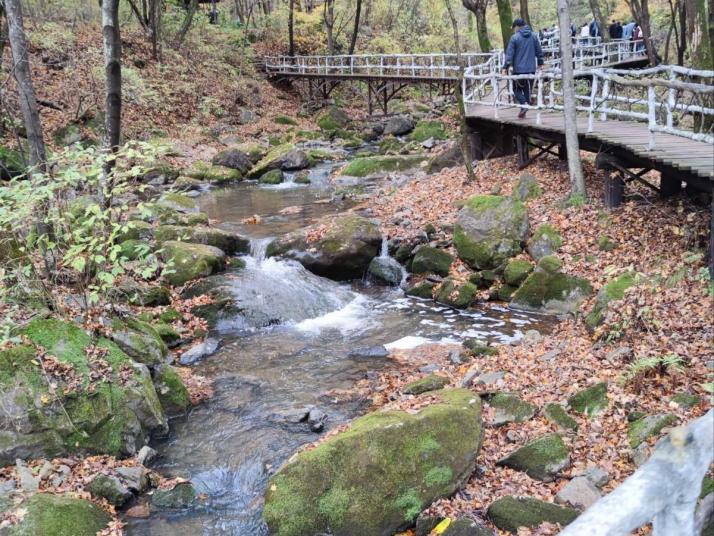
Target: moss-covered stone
[(377, 476), (590, 401), (516, 272), (135, 230), (390, 146), (510, 513), (172, 392), (546, 240), (284, 120), (477, 348), (373, 165), (214, 174), (649, 426), (425, 130), (614, 290), (428, 260), (228, 242), (170, 315), (686, 400), (526, 188), (273, 159), (139, 340), (505, 292), (455, 294), (550, 264), (110, 488), (707, 487), (605, 243), (542, 458), (181, 496), (509, 408), (422, 290), (56, 515), (274, 176), (167, 333), (432, 382), (141, 295), (557, 414), (190, 261), (333, 119), (133, 250), (489, 230), (234, 158), (178, 202), (555, 293)]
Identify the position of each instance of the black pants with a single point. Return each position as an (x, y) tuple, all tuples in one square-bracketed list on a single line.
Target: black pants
[(522, 90)]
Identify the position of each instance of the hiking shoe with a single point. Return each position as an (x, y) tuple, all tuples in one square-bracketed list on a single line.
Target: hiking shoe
[(522, 113)]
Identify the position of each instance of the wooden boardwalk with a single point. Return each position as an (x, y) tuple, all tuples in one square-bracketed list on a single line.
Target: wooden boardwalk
[(683, 154)]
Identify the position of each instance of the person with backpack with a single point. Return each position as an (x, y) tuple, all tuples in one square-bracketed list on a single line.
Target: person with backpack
[(525, 55)]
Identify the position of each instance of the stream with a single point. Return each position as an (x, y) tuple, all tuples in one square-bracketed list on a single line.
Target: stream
[(276, 361)]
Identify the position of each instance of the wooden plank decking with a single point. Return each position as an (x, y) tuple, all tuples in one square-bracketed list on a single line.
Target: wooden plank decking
[(695, 157)]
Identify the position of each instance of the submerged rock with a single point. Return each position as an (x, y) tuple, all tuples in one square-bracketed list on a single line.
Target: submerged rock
[(377, 476), (489, 230), (510, 513), (542, 458), (57, 515), (343, 251)]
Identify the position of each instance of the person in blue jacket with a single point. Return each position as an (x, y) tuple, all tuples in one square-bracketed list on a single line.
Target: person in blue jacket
[(525, 55)]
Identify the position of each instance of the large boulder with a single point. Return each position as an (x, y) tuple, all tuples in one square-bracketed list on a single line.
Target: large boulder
[(115, 413), (489, 230), (375, 165), (274, 159), (139, 340), (377, 476), (228, 242), (190, 261), (343, 249), (295, 160), (57, 515), (428, 260), (233, 159), (172, 392), (332, 119), (551, 292), (457, 294), (398, 125)]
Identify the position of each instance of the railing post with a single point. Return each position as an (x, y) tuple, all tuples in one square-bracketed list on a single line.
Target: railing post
[(652, 113), (671, 100), (539, 81), (593, 102), (494, 83), (605, 95)]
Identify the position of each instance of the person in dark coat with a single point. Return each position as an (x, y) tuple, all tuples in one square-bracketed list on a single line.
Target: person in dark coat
[(525, 55), (618, 30), (612, 29)]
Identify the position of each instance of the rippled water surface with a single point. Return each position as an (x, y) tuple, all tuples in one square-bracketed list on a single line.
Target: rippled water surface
[(288, 346)]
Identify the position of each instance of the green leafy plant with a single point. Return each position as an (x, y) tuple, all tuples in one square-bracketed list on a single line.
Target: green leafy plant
[(637, 371)]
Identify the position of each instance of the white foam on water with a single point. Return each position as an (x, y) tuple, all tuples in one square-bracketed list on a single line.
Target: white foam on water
[(355, 317), (407, 343)]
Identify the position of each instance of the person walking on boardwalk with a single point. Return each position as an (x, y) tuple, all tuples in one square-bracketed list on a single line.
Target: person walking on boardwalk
[(524, 54)]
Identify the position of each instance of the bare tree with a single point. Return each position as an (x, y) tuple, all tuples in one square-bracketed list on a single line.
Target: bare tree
[(700, 30), (148, 14), (187, 21), (291, 28), (465, 143), (26, 90), (505, 16), (355, 31), (328, 15), (478, 8), (575, 166), (641, 12), (524, 12), (600, 18), (112, 71)]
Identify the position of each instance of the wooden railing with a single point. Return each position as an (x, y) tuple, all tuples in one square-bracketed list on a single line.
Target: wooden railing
[(670, 99)]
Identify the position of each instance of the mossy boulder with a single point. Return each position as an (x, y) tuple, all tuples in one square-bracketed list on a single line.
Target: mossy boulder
[(167, 333), (333, 119), (228, 242), (374, 165), (214, 174), (590, 401), (172, 392), (181, 496), (542, 458), (550, 264), (235, 159), (139, 340), (274, 176), (526, 188), (110, 488), (614, 290), (143, 295), (377, 476), (428, 260), (344, 250), (422, 290), (648, 426), (556, 413), (432, 382), (390, 146), (546, 240), (114, 414), (385, 270), (274, 159), (135, 230), (451, 156), (510, 408), (57, 515), (510, 513), (456, 294), (190, 261), (478, 348), (516, 272), (551, 292), (254, 151), (489, 230), (425, 130)]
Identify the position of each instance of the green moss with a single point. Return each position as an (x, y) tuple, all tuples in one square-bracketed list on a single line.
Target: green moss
[(274, 176), (177, 200), (410, 503), (170, 315), (648, 426), (510, 408), (527, 188), (172, 392), (458, 295), (432, 382), (180, 496), (363, 167), (214, 174), (517, 270), (477, 348), (707, 487), (686, 400), (333, 119), (557, 414), (438, 476), (428, 260), (422, 290), (284, 120), (552, 292), (605, 243), (268, 161), (167, 333), (425, 130), (190, 261), (546, 240), (480, 203), (550, 263), (612, 291), (542, 458), (510, 513), (135, 230), (590, 401), (56, 515)]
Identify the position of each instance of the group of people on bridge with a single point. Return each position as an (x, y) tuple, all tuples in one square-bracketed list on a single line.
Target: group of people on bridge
[(630, 31)]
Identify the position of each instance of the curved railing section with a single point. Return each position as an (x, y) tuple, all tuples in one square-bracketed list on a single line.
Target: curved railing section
[(670, 99)]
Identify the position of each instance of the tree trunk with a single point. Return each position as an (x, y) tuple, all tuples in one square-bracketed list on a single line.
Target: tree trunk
[(478, 8), (26, 90), (291, 28), (112, 71), (575, 166), (505, 16), (186, 26), (465, 142), (641, 12), (699, 30), (600, 18), (329, 18), (355, 31), (524, 12)]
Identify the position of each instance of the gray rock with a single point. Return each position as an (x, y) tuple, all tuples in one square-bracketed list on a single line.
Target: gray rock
[(526, 188), (532, 337), (316, 419), (146, 455), (371, 352), (136, 478), (619, 354), (246, 116), (466, 527), (432, 367), (639, 454), (46, 470), (491, 378), (468, 378), (6, 486), (597, 475), (510, 408), (180, 496), (199, 351), (386, 269), (579, 493), (233, 159), (110, 488), (452, 156), (399, 125), (28, 481), (543, 458), (457, 357), (294, 160), (63, 471)]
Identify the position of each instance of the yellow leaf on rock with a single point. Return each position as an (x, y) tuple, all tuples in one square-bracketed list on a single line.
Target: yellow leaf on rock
[(441, 527)]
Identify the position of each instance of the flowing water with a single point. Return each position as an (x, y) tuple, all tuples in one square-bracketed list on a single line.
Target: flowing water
[(290, 343)]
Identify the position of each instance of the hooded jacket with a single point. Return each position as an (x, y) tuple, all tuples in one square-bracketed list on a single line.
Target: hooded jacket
[(523, 52)]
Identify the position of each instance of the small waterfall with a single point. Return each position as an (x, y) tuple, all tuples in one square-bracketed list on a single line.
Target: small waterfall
[(289, 177), (389, 263), (384, 253), (258, 247)]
